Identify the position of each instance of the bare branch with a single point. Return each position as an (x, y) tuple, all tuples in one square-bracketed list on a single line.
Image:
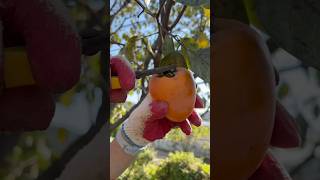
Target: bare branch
[(121, 26), (58, 166), (113, 5), (178, 17), (117, 43), (149, 49), (144, 9), (120, 9), (165, 15)]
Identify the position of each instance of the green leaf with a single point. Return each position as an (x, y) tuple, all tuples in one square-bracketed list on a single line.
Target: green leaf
[(194, 2), (174, 58), (299, 34), (250, 8), (148, 47), (190, 43), (206, 13), (203, 41), (168, 45), (130, 48), (283, 90), (200, 63), (186, 55)]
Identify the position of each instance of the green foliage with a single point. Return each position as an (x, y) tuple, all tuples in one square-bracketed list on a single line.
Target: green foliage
[(177, 166), (174, 58), (283, 90), (168, 46), (142, 167), (129, 49), (194, 2), (182, 166), (28, 157), (188, 143)]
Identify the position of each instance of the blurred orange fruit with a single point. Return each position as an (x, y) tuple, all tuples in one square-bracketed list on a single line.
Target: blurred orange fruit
[(244, 100)]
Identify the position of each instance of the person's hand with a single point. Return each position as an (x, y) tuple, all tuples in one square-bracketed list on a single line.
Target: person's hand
[(120, 67), (47, 35), (148, 123), (285, 135)]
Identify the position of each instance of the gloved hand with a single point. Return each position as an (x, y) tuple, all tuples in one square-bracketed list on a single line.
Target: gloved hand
[(148, 123), (120, 66), (53, 49), (285, 135)]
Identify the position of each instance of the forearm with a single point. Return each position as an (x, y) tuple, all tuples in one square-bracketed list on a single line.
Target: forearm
[(89, 162), (119, 160)]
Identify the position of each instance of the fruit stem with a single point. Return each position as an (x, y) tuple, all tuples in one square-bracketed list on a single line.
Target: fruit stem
[(159, 70)]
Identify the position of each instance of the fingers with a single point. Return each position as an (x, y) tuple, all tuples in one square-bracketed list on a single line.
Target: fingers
[(158, 110), (156, 129), (185, 126), (195, 119), (26, 108), (122, 69), (118, 96), (270, 169), (157, 126), (285, 133), (51, 40), (199, 103)]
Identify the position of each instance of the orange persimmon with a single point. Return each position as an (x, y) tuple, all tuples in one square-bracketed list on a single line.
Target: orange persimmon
[(178, 91), (244, 100)]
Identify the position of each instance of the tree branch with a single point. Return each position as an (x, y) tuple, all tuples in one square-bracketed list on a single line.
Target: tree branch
[(121, 26), (178, 17), (144, 9), (120, 9), (113, 5), (117, 43), (58, 166)]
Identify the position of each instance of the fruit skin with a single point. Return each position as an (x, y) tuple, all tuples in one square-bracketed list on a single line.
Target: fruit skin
[(244, 100), (178, 91), (25, 108), (51, 40)]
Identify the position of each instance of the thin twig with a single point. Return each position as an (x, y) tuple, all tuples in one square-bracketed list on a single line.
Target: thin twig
[(117, 43), (125, 4), (178, 17), (149, 49), (113, 5), (57, 166), (144, 9), (120, 26)]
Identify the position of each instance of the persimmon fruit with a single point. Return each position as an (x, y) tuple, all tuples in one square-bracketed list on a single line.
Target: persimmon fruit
[(179, 91), (244, 100)]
